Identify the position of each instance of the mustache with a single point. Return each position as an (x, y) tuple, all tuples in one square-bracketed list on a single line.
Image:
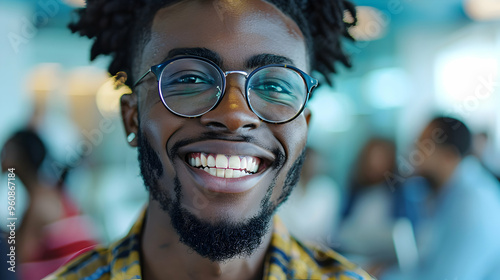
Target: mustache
[(279, 155)]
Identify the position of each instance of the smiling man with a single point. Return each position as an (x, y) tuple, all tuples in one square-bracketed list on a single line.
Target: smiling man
[(218, 115)]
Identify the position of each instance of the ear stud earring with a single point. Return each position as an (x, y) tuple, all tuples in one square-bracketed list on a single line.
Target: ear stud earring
[(131, 137)]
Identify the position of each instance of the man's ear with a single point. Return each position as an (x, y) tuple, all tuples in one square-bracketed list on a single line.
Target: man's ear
[(307, 115), (129, 110)]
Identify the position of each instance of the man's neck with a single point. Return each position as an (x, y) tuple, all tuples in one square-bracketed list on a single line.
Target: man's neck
[(164, 257)]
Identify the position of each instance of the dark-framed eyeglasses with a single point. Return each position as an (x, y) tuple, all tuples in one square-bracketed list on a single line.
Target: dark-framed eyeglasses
[(190, 86)]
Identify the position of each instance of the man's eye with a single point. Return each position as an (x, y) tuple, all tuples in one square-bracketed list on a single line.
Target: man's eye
[(271, 87), (192, 80)]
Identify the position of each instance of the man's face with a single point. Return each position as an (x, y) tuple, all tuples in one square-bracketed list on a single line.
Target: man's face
[(432, 154), (237, 33)]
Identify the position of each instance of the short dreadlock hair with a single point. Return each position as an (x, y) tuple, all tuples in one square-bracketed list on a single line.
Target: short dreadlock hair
[(120, 27)]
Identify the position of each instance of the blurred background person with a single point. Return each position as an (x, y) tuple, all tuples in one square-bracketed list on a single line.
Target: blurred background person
[(482, 148), (373, 205), (458, 238), (311, 212), (52, 230)]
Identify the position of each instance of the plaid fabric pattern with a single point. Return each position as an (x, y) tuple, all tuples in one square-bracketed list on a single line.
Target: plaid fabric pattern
[(286, 258)]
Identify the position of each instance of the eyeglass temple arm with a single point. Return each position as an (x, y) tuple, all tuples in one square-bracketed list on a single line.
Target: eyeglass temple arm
[(142, 77), (312, 83)]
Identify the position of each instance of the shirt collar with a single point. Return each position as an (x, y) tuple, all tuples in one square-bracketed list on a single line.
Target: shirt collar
[(125, 254), (286, 258)]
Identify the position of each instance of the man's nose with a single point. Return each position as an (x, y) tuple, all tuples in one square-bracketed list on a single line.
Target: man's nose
[(232, 113)]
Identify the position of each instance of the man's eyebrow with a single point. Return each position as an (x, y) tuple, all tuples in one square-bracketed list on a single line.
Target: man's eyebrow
[(201, 52), (252, 63), (266, 59)]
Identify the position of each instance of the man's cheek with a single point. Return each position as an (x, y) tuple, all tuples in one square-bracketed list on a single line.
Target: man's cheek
[(279, 183), (194, 200), (295, 139), (168, 166), (153, 131)]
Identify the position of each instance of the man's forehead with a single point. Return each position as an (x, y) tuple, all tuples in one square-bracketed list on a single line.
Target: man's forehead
[(230, 28)]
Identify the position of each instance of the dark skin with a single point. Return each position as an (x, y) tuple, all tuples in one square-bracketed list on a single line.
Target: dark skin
[(236, 33), (438, 166)]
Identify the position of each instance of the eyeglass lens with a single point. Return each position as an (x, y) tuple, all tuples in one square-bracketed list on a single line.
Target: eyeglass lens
[(276, 93), (192, 87)]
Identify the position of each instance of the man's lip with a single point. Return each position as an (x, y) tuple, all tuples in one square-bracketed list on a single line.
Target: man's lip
[(227, 148), (222, 185)]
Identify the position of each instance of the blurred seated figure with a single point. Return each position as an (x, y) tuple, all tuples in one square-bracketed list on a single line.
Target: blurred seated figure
[(459, 238), (52, 230), (373, 206), (483, 149), (311, 211)]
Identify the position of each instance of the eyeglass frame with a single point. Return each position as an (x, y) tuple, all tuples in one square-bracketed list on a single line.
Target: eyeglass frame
[(310, 82)]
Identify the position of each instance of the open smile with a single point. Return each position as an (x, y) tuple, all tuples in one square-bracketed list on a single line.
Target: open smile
[(226, 166)]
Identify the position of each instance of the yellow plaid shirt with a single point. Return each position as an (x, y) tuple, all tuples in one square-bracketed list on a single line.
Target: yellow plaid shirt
[(286, 258)]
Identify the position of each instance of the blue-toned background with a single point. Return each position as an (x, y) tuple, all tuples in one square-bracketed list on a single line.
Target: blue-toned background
[(413, 59)]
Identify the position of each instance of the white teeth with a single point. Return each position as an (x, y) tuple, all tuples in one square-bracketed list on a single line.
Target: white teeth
[(225, 166), (243, 163), (212, 171), (221, 161), (256, 166), (250, 165), (234, 162), (220, 172), (211, 161), (229, 173), (203, 159)]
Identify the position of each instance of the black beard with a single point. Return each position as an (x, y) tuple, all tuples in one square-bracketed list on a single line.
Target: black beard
[(222, 240)]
